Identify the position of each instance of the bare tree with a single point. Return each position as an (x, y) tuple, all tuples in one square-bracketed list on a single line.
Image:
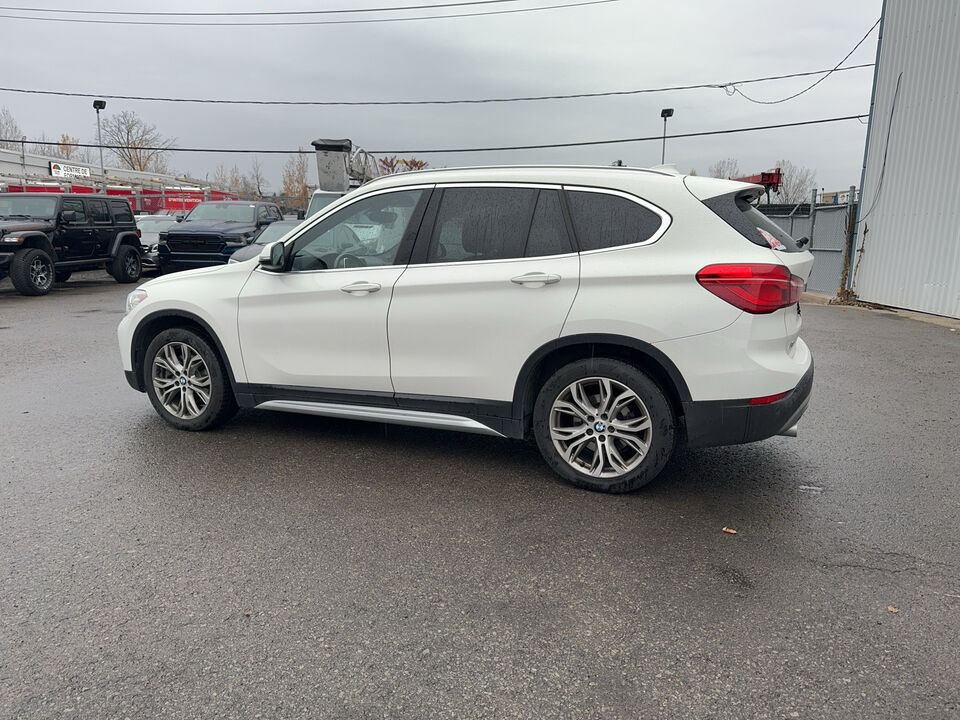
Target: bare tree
[(294, 180), (796, 183), (394, 164), (140, 146), (44, 147), (257, 179), (10, 131), (221, 179), (726, 168), (68, 150)]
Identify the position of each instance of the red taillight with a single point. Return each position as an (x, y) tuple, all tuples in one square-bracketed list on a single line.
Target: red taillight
[(754, 288), (767, 399), (139, 234)]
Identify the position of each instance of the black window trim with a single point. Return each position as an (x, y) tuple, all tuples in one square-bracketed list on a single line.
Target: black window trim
[(129, 210), (406, 245), (83, 208), (422, 246), (88, 204), (666, 219)]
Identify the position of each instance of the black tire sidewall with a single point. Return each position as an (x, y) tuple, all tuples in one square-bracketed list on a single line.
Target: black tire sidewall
[(222, 403), (659, 408), (20, 271)]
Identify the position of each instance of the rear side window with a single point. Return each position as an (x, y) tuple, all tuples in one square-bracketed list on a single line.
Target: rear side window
[(121, 211), (603, 221), (97, 210), (738, 212), (548, 232)]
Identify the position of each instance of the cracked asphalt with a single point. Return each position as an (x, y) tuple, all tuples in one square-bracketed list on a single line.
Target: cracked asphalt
[(291, 566)]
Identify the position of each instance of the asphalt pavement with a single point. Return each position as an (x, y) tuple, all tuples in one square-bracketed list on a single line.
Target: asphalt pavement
[(289, 566)]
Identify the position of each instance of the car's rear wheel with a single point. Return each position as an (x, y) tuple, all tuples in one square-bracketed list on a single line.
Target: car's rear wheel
[(31, 272), (604, 425), (186, 381), (126, 267)]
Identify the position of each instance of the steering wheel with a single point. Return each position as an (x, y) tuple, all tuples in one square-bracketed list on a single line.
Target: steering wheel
[(348, 260)]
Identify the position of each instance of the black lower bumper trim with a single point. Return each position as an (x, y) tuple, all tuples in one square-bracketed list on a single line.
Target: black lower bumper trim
[(132, 380), (733, 422)]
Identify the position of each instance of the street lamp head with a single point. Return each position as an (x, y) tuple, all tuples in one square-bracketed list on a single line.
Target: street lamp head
[(666, 112), (99, 104)]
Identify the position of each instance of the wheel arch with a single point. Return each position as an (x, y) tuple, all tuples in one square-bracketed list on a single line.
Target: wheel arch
[(39, 241), (550, 357), (124, 238), (157, 322)]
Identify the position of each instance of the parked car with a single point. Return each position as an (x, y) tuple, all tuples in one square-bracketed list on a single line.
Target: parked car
[(272, 232), (44, 237), (150, 227), (319, 199), (611, 314), (212, 232)]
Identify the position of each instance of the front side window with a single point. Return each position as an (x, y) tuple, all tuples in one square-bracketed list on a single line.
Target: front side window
[(97, 209), (273, 211), (77, 207), (601, 220), (366, 233), (498, 224)]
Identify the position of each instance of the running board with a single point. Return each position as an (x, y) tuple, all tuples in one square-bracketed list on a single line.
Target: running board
[(393, 416)]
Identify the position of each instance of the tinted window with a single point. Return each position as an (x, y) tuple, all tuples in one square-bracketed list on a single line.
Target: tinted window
[(482, 224), (603, 221), (274, 212), (736, 210), (365, 233), (261, 213), (548, 232), (77, 207), (121, 211), (97, 209)]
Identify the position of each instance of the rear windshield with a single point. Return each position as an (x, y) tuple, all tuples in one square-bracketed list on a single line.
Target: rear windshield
[(739, 213)]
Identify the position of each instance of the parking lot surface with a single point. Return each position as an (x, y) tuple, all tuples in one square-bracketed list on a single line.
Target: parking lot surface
[(289, 566)]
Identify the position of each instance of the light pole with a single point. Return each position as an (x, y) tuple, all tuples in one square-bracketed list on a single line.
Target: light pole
[(23, 161), (99, 105), (665, 113)]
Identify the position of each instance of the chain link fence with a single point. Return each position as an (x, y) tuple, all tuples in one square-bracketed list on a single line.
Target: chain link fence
[(826, 227)]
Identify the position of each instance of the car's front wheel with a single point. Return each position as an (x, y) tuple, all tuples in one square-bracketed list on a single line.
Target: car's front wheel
[(186, 381), (604, 425), (31, 272)]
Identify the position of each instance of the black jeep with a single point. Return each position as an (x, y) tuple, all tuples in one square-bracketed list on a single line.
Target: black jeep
[(212, 232), (44, 237)]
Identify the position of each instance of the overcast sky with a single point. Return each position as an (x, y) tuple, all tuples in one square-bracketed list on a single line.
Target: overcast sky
[(628, 44)]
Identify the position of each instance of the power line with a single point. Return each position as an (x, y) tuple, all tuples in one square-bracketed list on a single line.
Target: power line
[(585, 143), (479, 101), (429, 6), (733, 89), (308, 22)]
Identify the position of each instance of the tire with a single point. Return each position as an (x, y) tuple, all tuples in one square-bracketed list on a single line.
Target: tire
[(177, 396), (126, 266), (31, 272), (61, 276), (608, 452)]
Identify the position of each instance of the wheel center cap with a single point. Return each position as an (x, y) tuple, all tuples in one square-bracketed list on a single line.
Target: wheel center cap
[(183, 381), (599, 426)]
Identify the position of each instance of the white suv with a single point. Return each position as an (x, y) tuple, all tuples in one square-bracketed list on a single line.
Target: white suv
[(612, 314)]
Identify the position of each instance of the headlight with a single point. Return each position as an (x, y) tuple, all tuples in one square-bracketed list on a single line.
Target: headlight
[(11, 239), (135, 298)]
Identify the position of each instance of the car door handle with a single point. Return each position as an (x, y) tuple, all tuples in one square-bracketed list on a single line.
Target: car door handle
[(360, 288), (536, 279)]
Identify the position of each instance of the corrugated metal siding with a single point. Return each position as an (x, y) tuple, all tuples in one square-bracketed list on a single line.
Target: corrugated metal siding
[(910, 233)]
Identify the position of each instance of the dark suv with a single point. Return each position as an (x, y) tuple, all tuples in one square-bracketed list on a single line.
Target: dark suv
[(212, 232), (44, 237)]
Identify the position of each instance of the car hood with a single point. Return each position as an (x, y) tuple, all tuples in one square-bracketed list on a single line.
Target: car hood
[(216, 227), (245, 253), (23, 225), (186, 275)]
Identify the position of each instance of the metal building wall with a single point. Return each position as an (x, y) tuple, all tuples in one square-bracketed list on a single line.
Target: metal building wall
[(909, 232)]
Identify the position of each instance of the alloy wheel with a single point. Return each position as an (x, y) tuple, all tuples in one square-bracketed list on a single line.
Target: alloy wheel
[(600, 427), (181, 380), (40, 274)]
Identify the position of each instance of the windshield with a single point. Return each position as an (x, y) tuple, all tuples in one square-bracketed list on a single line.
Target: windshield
[(274, 231), (227, 211), (155, 225), (27, 206), (318, 201)]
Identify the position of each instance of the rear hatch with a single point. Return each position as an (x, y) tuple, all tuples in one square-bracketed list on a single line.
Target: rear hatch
[(736, 206)]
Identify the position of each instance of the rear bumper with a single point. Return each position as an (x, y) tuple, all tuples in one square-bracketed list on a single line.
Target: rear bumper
[(733, 422)]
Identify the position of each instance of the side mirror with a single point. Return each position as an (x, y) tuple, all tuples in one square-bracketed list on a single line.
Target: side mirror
[(68, 216), (266, 221), (178, 218), (272, 258)]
